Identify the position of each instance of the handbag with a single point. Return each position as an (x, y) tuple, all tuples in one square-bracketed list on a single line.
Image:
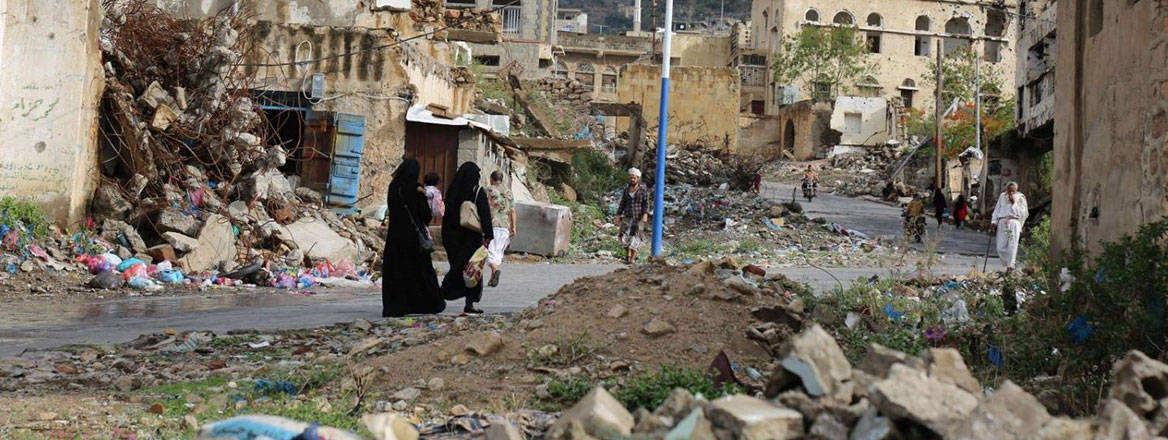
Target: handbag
[(468, 213), (425, 243)]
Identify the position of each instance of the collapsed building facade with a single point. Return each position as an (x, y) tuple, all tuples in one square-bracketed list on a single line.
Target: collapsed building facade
[(1111, 121)]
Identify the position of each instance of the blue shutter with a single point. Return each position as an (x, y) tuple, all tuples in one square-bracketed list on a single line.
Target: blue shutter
[(344, 181)]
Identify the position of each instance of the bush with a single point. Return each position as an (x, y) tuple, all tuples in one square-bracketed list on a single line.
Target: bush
[(649, 390), (594, 176), (16, 213)]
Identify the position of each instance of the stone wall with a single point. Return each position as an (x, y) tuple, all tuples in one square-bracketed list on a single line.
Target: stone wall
[(1111, 121), (50, 69), (703, 104), (806, 129), (896, 62), (874, 127), (1035, 73), (760, 134), (379, 84)]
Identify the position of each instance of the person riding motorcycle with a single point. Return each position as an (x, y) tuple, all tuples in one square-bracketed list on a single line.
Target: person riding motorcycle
[(810, 180), (914, 220)]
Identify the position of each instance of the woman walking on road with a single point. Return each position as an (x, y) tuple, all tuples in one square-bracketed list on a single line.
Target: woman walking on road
[(462, 242), (409, 283), (939, 205)]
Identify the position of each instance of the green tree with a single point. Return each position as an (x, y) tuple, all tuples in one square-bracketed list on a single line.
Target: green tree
[(959, 72), (824, 59)]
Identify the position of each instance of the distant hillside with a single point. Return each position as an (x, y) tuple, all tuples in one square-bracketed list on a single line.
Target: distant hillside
[(608, 12)]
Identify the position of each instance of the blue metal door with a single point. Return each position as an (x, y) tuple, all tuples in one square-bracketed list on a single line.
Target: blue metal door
[(348, 147)]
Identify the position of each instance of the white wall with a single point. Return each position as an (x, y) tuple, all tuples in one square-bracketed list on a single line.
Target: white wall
[(873, 128)]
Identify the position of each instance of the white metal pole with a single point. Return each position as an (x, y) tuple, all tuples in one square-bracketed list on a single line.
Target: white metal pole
[(662, 131), (985, 168), (637, 16)]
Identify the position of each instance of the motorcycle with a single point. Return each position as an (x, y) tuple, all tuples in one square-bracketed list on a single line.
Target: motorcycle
[(810, 189)]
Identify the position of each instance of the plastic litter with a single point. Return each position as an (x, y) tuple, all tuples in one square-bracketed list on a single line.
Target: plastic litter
[(171, 276), (135, 271), (143, 283), (267, 427), (127, 263), (189, 344), (268, 387), (1080, 330), (106, 280)]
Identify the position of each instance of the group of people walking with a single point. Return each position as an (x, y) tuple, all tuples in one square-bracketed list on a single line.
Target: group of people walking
[(1010, 213), (472, 216)]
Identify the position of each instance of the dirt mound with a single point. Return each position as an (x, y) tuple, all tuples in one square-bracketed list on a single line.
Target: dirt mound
[(633, 320)]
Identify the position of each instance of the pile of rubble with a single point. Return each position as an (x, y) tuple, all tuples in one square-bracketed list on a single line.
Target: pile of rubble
[(868, 172), (189, 183), (569, 91), (427, 14), (818, 394), (688, 164), (480, 20)]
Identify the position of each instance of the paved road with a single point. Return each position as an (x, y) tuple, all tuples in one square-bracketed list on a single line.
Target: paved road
[(878, 219), (36, 325)]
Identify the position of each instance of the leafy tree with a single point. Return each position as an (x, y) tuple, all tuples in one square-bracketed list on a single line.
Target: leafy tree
[(824, 59), (959, 73)]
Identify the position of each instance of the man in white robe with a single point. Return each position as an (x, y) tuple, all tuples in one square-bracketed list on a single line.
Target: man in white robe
[(1009, 215)]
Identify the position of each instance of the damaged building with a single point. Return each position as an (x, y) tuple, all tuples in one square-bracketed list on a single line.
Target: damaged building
[(1111, 121)]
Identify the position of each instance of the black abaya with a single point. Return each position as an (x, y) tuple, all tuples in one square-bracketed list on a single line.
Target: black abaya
[(409, 284), (461, 243)]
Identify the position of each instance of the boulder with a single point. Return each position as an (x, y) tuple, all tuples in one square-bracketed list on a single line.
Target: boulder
[(946, 365), (173, 220), (308, 195), (750, 418), (216, 244), (484, 344), (181, 243), (695, 426), (818, 361), (880, 358), (407, 394), (658, 327), (1008, 413), (908, 394), (598, 414), (1139, 382), (618, 311), (679, 403)]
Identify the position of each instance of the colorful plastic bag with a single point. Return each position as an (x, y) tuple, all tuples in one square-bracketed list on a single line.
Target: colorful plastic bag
[(473, 274)]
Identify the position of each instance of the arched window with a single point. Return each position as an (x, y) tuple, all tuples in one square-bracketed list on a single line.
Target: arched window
[(923, 23), (869, 86), (811, 16), (957, 26), (908, 84), (774, 40), (586, 74), (875, 20), (608, 81), (908, 89), (995, 27), (923, 43), (844, 18)]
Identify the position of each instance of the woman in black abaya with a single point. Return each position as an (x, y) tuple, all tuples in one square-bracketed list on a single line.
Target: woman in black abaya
[(461, 243), (409, 283)]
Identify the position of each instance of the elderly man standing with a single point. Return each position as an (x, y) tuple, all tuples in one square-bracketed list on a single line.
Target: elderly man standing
[(1009, 215), (632, 215)]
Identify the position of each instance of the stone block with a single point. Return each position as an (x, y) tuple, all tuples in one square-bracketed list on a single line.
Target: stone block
[(750, 418), (598, 415), (908, 394), (817, 359), (946, 365), (318, 241), (484, 344), (173, 220), (180, 242), (1008, 413), (542, 229), (503, 430), (880, 359), (695, 426), (162, 252)]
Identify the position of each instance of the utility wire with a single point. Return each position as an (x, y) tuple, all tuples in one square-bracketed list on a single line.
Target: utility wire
[(378, 47)]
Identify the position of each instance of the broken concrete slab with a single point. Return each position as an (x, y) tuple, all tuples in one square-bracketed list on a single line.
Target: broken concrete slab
[(1119, 422), (1139, 382), (1008, 413), (817, 359), (946, 365), (907, 394), (180, 242), (216, 244), (695, 426), (318, 241), (503, 430), (750, 418), (879, 359), (110, 203), (389, 426), (1063, 428), (173, 220), (114, 231), (598, 414)]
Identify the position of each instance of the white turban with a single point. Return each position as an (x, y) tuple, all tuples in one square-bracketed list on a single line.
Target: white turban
[(634, 172)]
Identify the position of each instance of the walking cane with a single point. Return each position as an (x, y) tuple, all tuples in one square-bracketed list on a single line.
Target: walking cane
[(986, 262)]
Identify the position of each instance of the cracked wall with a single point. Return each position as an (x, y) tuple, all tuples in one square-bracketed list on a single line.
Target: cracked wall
[(1111, 120), (703, 102)]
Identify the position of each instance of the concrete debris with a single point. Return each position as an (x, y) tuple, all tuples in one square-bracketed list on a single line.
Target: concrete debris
[(216, 244), (750, 418), (1008, 413), (180, 242), (173, 220), (484, 344), (119, 232), (909, 395), (946, 365), (818, 361), (598, 414), (389, 427), (318, 241)]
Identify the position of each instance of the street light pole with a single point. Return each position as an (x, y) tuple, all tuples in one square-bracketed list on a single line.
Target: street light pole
[(662, 131)]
